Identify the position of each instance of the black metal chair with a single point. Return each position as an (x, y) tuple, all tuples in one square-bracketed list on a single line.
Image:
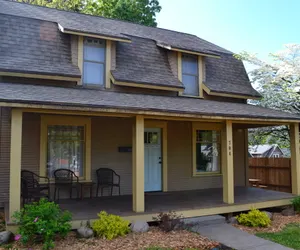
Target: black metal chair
[(107, 177), (31, 188), (65, 179)]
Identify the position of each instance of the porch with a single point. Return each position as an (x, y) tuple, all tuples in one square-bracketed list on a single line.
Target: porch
[(188, 203)]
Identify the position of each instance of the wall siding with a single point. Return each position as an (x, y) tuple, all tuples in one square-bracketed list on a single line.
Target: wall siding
[(107, 135), (4, 154)]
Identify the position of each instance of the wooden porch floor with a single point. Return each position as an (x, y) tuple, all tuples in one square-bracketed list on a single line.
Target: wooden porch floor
[(179, 201)]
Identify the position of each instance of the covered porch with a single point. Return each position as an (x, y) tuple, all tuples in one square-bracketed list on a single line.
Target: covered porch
[(188, 203)]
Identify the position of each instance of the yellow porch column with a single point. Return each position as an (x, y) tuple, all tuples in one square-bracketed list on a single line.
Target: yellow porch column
[(295, 158), (15, 161), (138, 164), (227, 164)]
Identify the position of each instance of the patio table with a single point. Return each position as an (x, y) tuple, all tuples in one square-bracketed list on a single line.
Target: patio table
[(86, 184)]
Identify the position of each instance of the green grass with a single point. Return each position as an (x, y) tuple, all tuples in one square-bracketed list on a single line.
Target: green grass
[(289, 236)]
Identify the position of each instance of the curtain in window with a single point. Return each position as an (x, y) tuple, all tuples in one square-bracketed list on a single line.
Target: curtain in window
[(65, 149)]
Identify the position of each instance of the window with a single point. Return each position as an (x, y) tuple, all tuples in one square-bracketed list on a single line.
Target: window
[(207, 151), (276, 155), (190, 75), (65, 143), (65, 149), (94, 62)]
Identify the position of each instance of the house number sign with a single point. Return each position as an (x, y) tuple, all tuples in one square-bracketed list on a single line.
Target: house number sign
[(229, 147)]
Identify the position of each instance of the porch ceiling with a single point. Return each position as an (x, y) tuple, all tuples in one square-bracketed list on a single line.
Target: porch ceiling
[(79, 98)]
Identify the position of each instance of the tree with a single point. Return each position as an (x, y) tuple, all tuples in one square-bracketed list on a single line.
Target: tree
[(279, 84), (137, 11)]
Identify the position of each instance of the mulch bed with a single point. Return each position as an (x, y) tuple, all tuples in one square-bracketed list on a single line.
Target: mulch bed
[(177, 240), (278, 223)]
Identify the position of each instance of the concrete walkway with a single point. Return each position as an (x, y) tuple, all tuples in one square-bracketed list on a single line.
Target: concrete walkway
[(216, 228)]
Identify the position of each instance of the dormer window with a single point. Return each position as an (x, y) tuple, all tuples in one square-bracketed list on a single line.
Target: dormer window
[(190, 75), (94, 62)]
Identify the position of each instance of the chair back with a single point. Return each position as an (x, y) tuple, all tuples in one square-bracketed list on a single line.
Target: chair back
[(30, 179), (105, 176), (64, 176)]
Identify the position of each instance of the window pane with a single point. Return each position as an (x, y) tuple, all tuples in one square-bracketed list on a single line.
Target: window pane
[(65, 149), (191, 85), (189, 65), (208, 151), (92, 53), (93, 73)]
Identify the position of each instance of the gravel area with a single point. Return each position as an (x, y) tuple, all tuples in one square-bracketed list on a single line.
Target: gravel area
[(278, 223), (177, 240)]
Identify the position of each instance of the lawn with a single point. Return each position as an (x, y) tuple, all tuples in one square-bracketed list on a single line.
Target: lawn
[(289, 236)]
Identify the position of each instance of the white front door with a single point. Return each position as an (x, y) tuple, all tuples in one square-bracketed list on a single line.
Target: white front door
[(153, 175)]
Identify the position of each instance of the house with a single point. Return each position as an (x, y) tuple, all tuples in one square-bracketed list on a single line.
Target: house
[(267, 151), (166, 110)]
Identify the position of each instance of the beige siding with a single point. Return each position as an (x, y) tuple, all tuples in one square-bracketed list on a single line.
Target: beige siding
[(74, 49), (4, 154), (113, 55), (31, 142), (107, 135), (180, 160), (173, 61)]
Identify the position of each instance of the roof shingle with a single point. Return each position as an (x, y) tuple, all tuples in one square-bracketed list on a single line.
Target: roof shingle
[(78, 97)]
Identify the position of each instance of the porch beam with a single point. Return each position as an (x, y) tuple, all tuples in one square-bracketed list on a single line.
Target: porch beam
[(138, 165), (295, 158), (15, 161), (227, 163)]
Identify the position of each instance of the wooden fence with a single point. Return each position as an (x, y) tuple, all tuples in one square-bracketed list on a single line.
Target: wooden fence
[(275, 173)]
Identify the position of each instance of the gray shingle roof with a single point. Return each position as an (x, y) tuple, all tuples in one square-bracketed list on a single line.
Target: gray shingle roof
[(23, 49), (34, 46), (78, 97), (228, 75), (110, 27), (143, 62)]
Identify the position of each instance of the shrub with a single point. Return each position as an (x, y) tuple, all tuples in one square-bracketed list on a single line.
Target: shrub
[(169, 221), (110, 226), (254, 218), (296, 203), (41, 221)]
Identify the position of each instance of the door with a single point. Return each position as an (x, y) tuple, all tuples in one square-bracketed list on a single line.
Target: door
[(153, 171)]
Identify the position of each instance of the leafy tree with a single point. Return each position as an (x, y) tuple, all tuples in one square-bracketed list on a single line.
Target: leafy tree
[(279, 84), (137, 11)]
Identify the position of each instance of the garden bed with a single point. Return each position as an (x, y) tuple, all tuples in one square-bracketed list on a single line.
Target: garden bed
[(278, 223), (154, 239)]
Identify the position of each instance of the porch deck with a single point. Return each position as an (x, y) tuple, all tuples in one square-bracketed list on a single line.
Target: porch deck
[(189, 203)]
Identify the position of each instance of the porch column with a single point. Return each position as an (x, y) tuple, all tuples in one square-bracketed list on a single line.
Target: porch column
[(15, 161), (295, 158), (227, 163), (138, 164)]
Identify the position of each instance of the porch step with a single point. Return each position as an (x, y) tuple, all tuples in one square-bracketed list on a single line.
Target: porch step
[(205, 220)]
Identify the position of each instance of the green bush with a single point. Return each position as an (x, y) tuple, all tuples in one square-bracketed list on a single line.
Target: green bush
[(296, 203), (40, 222), (110, 226), (254, 218)]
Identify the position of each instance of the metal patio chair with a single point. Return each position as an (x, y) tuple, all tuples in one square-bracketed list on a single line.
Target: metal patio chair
[(107, 177), (65, 179)]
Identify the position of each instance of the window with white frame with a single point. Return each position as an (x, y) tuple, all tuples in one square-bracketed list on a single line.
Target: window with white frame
[(208, 148), (190, 75), (276, 155), (94, 62)]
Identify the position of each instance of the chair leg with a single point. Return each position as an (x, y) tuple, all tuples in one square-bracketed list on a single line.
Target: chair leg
[(101, 191), (58, 194), (54, 194), (71, 192), (111, 190), (119, 190), (97, 191)]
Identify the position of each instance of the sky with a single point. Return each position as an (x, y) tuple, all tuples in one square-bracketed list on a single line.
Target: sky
[(256, 26)]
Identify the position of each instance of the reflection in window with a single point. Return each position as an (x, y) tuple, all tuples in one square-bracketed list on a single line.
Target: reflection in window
[(94, 61), (190, 75), (208, 148), (65, 149)]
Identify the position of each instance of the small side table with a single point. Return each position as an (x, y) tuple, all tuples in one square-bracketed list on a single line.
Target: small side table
[(84, 185)]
